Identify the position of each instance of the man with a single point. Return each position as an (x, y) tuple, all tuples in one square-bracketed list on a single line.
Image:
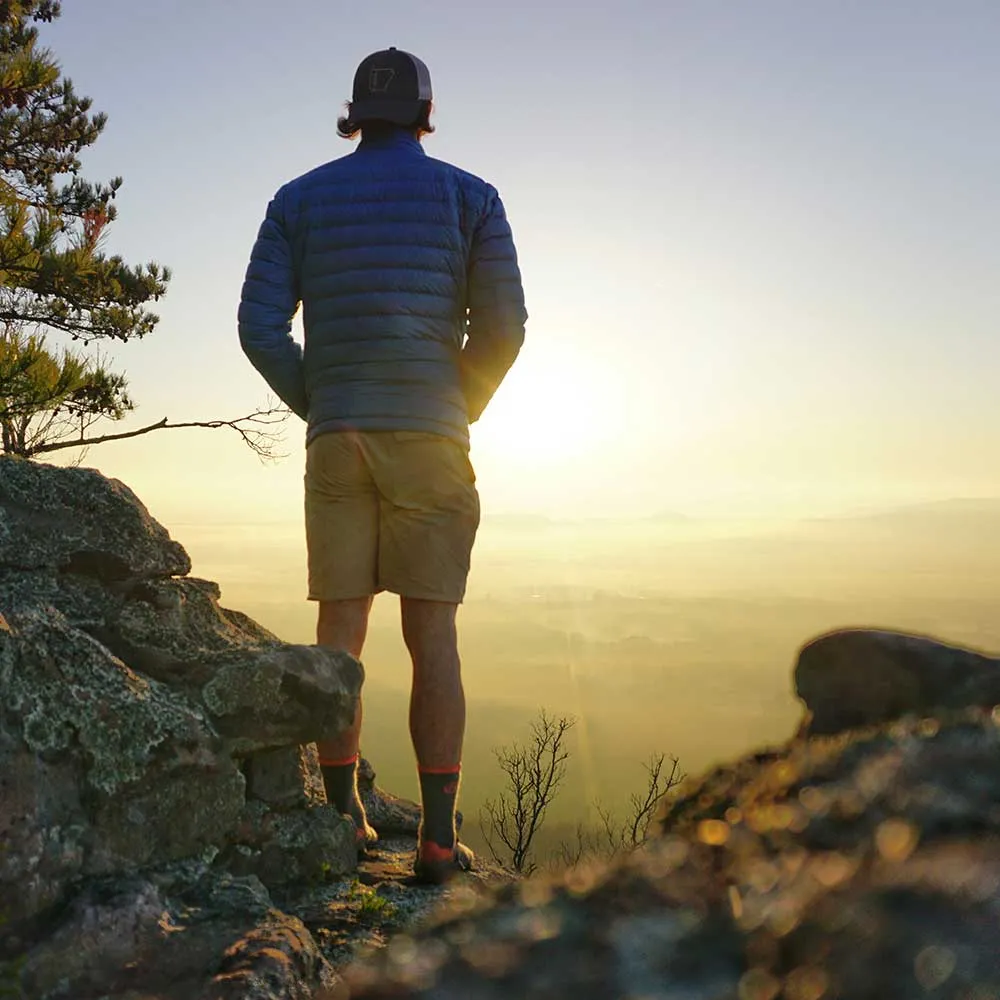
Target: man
[(413, 312)]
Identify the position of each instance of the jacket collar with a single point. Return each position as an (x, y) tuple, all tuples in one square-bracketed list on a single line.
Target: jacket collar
[(398, 139)]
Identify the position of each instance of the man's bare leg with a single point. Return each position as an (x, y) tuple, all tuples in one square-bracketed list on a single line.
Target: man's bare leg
[(437, 727), (344, 625), (437, 699)]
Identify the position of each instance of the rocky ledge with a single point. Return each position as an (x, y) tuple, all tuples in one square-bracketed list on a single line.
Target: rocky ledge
[(164, 833)]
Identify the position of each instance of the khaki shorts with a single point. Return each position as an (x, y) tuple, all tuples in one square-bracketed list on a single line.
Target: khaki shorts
[(389, 510)]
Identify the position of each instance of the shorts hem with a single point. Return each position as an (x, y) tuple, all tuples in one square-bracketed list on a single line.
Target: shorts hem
[(416, 594), (344, 595)]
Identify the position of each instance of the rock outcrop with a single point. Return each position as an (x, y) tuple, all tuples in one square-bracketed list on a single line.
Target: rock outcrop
[(164, 832), (862, 863)]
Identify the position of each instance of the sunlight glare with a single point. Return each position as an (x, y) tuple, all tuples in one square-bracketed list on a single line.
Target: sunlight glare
[(551, 409)]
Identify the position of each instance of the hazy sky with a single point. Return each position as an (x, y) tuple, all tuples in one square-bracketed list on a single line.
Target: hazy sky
[(759, 240)]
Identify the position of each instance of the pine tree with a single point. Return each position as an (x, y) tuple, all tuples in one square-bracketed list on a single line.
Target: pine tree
[(51, 220), (54, 274)]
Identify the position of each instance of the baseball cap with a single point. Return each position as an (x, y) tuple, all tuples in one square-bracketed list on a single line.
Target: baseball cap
[(390, 86)]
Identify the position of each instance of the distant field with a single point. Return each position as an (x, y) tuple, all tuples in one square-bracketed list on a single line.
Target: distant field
[(668, 635)]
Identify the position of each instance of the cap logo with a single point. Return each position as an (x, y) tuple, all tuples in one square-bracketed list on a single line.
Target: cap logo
[(380, 78)]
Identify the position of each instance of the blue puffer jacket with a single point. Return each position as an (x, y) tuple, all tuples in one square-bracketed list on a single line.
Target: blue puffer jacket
[(413, 308)]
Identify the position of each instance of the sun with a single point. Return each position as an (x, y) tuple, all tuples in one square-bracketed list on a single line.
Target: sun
[(549, 410)]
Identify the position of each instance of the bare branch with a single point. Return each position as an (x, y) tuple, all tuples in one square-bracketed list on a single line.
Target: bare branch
[(612, 833), (657, 785), (255, 429), (610, 836), (534, 772)]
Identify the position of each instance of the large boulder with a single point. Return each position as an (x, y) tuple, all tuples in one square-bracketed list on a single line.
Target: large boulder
[(859, 677), (80, 521), (258, 692), (105, 768)]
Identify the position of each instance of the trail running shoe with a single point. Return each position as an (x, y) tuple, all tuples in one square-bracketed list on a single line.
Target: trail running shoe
[(436, 865)]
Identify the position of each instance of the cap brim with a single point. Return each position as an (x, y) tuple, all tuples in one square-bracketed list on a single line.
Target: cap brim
[(397, 112)]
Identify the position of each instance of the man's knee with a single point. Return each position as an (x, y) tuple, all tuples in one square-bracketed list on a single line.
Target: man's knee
[(344, 624)]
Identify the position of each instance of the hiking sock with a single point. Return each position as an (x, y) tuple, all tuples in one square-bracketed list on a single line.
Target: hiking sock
[(340, 778), (438, 791)]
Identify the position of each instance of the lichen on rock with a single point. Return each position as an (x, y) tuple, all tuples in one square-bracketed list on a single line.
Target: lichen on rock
[(66, 691)]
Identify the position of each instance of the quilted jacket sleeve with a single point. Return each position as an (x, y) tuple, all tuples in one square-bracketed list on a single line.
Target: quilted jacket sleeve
[(268, 303), (497, 315)]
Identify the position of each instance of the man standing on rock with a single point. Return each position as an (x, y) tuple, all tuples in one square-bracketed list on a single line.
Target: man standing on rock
[(413, 312)]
